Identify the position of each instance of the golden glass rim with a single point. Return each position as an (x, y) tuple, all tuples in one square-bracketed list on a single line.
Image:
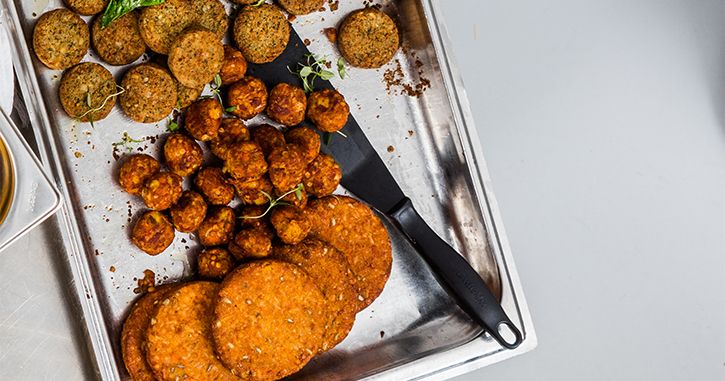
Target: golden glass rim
[(7, 180)]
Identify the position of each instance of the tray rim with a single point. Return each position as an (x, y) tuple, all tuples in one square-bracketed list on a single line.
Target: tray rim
[(442, 365)]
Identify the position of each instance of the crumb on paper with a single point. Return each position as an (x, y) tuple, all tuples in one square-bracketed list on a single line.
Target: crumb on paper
[(78, 154), (307, 42), (333, 4), (145, 284), (331, 34), (391, 149), (112, 269), (396, 83)]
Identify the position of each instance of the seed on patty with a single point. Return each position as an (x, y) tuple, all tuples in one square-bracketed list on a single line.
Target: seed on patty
[(150, 93), (86, 7), (261, 33), (368, 38), (87, 92), (301, 7), (60, 39), (195, 57), (119, 43), (161, 24)]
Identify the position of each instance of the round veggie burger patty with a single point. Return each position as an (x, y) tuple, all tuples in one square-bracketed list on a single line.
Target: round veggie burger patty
[(179, 336), (87, 92), (269, 320), (368, 38), (60, 39)]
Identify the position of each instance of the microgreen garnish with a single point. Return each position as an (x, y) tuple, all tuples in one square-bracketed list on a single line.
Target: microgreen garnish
[(327, 138), (341, 71), (315, 67), (172, 126), (258, 3), (117, 8), (89, 103), (278, 201), (216, 90), (126, 141)]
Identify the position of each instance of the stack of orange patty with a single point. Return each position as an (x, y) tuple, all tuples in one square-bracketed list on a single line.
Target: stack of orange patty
[(268, 317)]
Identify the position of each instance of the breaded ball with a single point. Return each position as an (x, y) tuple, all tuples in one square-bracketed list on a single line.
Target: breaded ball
[(152, 233), (179, 344), (211, 15), (185, 96), (231, 131), (234, 66), (251, 243), (306, 140), (287, 104), (351, 227), (301, 7), (251, 192), (322, 176), (135, 171), (120, 42), (328, 110), (133, 335), (245, 161), (162, 190), (87, 92), (368, 38), (86, 7), (218, 227), (261, 33), (215, 263), (247, 97), (161, 24), (286, 167), (268, 137), (183, 154), (290, 223), (212, 184), (269, 320), (188, 212), (330, 270), (203, 119), (195, 57), (150, 93), (60, 39)]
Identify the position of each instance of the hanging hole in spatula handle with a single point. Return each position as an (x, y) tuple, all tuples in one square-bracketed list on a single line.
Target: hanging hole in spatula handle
[(461, 280)]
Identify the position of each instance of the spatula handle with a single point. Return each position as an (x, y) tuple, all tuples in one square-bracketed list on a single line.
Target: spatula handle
[(463, 282)]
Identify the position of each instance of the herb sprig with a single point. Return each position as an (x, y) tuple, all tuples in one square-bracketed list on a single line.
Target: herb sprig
[(126, 142), (278, 201), (315, 67), (117, 8), (216, 90), (259, 3), (89, 103)]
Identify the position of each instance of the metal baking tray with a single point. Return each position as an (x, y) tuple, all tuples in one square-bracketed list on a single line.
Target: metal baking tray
[(416, 115)]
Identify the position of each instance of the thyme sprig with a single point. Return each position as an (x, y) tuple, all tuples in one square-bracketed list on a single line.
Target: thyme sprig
[(89, 103), (126, 141), (278, 201), (216, 90)]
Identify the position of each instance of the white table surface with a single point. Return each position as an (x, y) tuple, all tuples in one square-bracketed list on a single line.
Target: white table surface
[(603, 124)]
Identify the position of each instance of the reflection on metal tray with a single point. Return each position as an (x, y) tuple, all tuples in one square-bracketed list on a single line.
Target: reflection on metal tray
[(415, 115)]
